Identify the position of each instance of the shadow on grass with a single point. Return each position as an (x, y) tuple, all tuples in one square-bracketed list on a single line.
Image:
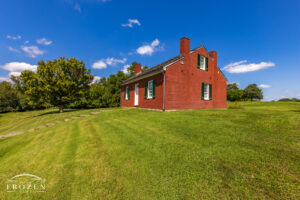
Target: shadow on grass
[(55, 112), (296, 111)]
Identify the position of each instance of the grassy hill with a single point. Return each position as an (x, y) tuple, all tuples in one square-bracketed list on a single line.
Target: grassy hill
[(250, 153)]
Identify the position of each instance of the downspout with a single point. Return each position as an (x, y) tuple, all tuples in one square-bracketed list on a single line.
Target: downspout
[(164, 83)]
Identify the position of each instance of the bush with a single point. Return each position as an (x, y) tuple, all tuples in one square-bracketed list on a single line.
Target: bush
[(235, 105)]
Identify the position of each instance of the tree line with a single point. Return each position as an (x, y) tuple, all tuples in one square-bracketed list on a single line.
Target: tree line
[(62, 83), (251, 92)]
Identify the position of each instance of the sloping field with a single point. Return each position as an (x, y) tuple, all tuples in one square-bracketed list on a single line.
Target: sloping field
[(250, 153)]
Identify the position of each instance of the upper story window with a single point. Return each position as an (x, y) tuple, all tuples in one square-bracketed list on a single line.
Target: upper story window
[(202, 62), (150, 88)]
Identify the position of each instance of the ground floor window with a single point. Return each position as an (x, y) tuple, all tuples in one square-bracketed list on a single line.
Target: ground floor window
[(206, 91), (150, 89), (127, 93)]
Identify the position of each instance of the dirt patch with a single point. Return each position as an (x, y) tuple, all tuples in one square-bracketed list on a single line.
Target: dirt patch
[(12, 134)]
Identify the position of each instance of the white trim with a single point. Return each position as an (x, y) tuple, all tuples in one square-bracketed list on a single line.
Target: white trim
[(136, 94), (171, 63), (126, 92)]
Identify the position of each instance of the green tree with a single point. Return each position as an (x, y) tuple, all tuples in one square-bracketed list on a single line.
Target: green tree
[(8, 97), (252, 92), (59, 82), (234, 93)]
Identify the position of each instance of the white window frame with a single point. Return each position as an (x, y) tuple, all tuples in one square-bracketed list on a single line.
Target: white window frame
[(203, 63), (126, 93), (150, 90), (206, 91)]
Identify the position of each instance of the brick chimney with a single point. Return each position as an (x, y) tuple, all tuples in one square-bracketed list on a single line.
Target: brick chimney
[(213, 54), (184, 46), (137, 69)]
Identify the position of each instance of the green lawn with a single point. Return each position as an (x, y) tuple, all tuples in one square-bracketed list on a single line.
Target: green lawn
[(250, 153)]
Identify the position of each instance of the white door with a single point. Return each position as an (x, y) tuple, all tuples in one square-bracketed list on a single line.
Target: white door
[(136, 95)]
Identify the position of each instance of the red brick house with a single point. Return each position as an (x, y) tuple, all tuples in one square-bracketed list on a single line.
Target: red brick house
[(191, 80)]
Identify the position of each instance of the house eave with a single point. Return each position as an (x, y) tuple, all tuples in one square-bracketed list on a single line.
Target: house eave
[(158, 71)]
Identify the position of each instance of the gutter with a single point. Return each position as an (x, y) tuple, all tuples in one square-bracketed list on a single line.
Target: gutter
[(164, 83)]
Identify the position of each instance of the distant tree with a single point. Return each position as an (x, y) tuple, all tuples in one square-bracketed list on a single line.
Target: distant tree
[(252, 92), (59, 82), (234, 93), (285, 99)]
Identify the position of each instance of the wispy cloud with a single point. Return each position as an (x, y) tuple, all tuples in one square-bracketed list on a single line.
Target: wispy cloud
[(243, 66), (44, 41), (32, 51), (5, 79), (264, 86), (77, 7), (131, 22), (103, 63), (13, 49), (149, 49), (14, 37)]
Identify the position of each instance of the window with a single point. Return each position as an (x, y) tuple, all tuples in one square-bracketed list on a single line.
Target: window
[(150, 89), (127, 93), (206, 91), (202, 62)]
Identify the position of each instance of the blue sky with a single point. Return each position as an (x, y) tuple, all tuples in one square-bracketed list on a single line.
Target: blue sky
[(257, 41)]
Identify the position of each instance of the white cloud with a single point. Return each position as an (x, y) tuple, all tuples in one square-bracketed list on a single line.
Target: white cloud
[(99, 65), (131, 22), (18, 67), (14, 37), (264, 86), (148, 49), (125, 69), (243, 66), (44, 41), (77, 7), (26, 42), (32, 51), (14, 74), (96, 78), (298, 95), (13, 49), (103, 63)]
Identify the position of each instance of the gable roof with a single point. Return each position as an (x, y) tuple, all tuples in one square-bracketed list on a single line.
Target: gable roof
[(161, 66), (158, 67)]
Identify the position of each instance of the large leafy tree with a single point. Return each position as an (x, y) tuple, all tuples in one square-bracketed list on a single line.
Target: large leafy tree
[(253, 92), (59, 82), (234, 93)]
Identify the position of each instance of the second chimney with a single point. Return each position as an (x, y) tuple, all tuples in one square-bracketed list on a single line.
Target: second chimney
[(184, 46), (137, 68)]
